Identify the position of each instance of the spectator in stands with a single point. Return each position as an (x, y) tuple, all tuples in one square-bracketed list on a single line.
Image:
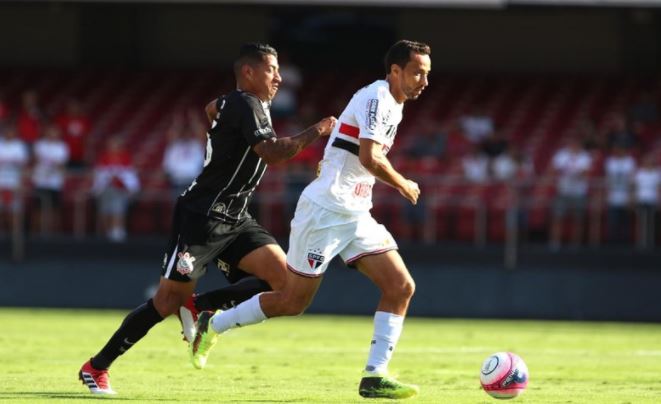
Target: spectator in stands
[(115, 183), (197, 124), (477, 125), (476, 166), (183, 159), (76, 127), (301, 169), (511, 165), (571, 166), (51, 154), (429, 142), (14, 157), (619, 169), (592, 139), (495, 144), (285, 103), (457, 143), (647, 181), (30, 118), (620, 134)]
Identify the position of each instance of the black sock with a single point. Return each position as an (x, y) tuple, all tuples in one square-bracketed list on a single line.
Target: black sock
[(232, 295), (133, 328)]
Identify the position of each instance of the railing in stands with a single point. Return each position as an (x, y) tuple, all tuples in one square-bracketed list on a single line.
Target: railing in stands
[(450, 208)]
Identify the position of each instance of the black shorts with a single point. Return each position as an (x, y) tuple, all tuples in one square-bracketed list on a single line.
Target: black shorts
[(197, 241)]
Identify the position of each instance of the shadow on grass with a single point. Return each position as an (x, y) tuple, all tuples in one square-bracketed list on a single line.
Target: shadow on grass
[(69, 396), (24, 395)]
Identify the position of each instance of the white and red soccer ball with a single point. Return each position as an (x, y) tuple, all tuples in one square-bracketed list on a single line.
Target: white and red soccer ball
[(504, 375)]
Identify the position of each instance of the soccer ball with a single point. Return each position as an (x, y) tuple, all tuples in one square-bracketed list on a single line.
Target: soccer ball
[(504, 375)]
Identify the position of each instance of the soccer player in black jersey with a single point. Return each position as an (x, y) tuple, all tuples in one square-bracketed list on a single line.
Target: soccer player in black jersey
[(211, 221)]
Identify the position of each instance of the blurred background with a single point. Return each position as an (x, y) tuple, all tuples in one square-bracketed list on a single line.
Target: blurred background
[(537, 145)]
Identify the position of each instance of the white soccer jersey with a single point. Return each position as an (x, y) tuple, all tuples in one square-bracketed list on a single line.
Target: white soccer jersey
[(343, 184)]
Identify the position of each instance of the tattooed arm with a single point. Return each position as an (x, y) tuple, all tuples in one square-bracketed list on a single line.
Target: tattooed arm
[(278, 150)]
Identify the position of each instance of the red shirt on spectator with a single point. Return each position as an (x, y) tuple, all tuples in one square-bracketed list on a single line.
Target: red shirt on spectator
[(75, 127), (29, 126)]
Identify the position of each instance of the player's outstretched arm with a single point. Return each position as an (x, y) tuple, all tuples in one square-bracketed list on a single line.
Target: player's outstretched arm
[(278, 150), (372, 158)]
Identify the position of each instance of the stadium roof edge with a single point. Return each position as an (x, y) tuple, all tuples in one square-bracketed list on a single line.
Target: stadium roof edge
[(380, 3), (390, 3)]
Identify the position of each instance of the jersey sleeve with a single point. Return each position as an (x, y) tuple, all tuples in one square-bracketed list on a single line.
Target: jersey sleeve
[(371, 114), (255, 124)]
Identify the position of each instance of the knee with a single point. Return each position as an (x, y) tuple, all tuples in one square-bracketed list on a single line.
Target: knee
[(292, 305), (409, 288), (166, 303), (401, 291)]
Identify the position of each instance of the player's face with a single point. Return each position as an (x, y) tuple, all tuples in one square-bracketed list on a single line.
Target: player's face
[(266, 78), (414, 76)]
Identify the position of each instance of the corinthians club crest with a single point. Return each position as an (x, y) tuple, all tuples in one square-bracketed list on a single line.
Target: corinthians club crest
[(185, 263)]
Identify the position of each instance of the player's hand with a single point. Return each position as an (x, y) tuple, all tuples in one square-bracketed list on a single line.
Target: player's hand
[(326, 125), (411, 191)]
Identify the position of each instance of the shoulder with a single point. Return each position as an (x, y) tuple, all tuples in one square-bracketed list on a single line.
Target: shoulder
[(381, 89), (376, 90), (245, 100)]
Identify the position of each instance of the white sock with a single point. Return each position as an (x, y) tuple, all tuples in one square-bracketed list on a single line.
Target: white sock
[(387, 329), (246, 313)]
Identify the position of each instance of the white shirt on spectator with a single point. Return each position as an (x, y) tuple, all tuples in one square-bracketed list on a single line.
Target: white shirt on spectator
[(619, 173), (573, 168), (183, 161), (477, 127), (14, 156), (50, 157), (504, 167), (476, 168), (647, 181)]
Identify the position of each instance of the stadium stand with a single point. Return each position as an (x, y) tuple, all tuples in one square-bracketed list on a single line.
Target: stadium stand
[(537, 113)]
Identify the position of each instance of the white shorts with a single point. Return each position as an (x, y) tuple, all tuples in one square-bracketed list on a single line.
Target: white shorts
[(318, 235)]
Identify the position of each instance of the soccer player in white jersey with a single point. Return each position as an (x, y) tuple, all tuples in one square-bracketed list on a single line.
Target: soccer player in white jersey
[(332, 217)]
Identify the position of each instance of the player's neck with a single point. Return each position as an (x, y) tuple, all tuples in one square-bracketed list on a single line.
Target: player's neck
[(395, 91)]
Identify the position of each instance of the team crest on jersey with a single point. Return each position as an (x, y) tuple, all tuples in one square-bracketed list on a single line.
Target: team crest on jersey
[(219, 208), (185, 263), (315, 258), (223, 266)]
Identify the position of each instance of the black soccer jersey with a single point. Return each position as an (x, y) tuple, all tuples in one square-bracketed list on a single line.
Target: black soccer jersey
[(232, 169)]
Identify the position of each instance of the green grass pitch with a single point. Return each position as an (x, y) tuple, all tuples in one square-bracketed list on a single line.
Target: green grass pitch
[(318, 359)]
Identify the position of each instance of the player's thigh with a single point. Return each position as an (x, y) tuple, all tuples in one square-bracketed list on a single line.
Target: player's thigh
[(251, 237), (388, 272), (369, 238), (317, 235), (195, 241), (268, 263)]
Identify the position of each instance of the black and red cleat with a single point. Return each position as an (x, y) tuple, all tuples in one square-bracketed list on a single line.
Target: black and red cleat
[(96, 380)]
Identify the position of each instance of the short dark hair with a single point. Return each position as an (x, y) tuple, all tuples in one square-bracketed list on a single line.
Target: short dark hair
[(400, 53), (252, 54)]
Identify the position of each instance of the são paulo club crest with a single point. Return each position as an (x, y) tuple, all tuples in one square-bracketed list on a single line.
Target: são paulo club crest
[(315, 258)]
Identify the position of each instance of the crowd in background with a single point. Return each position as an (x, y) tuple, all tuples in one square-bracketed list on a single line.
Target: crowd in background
[(39, 149)]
